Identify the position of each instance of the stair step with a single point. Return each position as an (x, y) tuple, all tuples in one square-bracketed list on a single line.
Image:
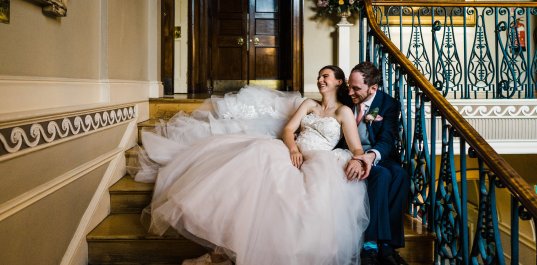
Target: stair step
[(122, 239), (165, 108), (148, 125), (417, 238), (129, 196)]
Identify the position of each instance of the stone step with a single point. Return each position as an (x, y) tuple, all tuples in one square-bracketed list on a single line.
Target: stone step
[(122, 239)]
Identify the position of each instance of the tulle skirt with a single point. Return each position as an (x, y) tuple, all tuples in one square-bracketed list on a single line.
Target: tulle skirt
[(239, 191)]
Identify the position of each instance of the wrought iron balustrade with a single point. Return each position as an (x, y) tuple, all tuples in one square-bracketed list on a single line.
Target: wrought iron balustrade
[(467, 51), (423, 76)]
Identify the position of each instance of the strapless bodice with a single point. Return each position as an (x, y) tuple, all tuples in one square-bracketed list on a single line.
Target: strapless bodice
[(318, 133)]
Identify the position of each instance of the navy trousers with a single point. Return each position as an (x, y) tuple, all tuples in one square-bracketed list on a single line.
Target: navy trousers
[(387, 187)]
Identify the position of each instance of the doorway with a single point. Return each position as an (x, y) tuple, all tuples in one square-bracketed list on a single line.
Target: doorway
[(250, 44), (232, 43)]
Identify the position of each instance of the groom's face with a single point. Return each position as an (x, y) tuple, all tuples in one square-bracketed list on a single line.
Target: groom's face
[(358, 90)]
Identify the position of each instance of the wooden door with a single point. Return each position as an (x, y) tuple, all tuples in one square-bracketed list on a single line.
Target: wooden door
[(224, 53), (264, 39), (229, 44), (246, 44)]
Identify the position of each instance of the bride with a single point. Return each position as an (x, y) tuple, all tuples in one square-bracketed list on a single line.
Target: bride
[(225, 179)]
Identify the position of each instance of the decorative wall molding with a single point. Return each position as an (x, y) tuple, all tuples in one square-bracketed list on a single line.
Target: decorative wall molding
[(498, 111), (492, 108), (508, 125), (32, 134)]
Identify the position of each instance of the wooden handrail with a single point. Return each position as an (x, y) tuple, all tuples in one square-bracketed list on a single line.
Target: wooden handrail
[(455, 3), (518, 187)]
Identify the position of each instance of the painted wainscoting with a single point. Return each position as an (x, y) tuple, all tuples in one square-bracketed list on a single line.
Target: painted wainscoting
[(58, 159)]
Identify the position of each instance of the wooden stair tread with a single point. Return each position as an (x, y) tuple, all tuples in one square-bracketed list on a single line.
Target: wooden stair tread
[(167, 107), (122, 239), (150, 122), (419, 243), (181, 98), (414, 229), (127, 184), (126, 227)]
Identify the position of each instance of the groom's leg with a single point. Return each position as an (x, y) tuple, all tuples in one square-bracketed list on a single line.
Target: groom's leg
[(378, 185), (398, 194)]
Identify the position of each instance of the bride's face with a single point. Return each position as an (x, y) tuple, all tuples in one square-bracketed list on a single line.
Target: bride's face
[(326, 81)]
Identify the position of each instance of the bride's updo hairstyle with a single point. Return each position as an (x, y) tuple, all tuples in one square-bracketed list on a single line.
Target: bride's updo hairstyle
[(342, 90)]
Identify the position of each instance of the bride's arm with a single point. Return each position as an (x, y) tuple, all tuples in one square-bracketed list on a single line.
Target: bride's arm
[(350, 130), (290, 128), (354, 169)]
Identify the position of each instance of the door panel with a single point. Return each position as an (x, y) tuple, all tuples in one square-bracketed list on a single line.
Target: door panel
[(228, 43), (264, 35), (266, 5), (265, 60), (245, 44), (228, 57)]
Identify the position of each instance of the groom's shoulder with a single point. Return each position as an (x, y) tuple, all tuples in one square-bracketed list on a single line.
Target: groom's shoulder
[(387, 98)]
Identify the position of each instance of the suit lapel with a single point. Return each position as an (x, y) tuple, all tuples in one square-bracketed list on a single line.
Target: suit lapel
[(379, 97)]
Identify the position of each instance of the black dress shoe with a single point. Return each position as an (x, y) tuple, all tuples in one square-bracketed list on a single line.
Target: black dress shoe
[(369, 257), (392, 259)]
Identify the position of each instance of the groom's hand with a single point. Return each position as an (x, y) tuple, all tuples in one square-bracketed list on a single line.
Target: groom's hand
[(366, 160)]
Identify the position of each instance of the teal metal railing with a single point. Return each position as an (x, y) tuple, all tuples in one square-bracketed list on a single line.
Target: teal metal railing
[(429, 53), (466, 51)]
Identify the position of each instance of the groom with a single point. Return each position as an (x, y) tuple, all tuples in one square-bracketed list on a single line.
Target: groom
[(377, 116)]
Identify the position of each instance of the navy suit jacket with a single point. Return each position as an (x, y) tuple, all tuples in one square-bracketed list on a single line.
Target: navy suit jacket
[(383, 134)]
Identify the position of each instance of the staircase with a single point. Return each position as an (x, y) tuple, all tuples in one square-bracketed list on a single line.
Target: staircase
[(122, 238)]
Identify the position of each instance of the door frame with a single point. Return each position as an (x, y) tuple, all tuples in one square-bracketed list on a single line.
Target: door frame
[(198, 46)]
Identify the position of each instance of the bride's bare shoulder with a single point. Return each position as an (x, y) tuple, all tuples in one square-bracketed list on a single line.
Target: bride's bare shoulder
[(310, 102), (343, 109)]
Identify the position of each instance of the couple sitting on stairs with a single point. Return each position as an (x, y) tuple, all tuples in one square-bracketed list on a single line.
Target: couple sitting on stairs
[(268, 177)]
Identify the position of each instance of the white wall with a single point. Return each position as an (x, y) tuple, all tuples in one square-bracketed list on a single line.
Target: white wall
[(320, 44), (100, 59)]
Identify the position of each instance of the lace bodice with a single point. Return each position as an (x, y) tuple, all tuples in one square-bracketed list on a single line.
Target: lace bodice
[(318, 133)]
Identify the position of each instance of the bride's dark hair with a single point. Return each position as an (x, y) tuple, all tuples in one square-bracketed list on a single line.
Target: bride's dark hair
[(342, 90)]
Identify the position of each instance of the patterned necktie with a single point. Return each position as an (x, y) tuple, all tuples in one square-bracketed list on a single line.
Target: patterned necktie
[(360, 114)]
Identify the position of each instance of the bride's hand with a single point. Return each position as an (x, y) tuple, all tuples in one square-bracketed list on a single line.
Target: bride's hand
[(367, 162), (354, 169), (296, 158)]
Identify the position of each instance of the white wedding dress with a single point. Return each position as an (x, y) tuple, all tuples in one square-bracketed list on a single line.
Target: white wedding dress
[(225, 180)]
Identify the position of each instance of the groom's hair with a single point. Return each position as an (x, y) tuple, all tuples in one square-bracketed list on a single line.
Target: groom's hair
[(370, 72)]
